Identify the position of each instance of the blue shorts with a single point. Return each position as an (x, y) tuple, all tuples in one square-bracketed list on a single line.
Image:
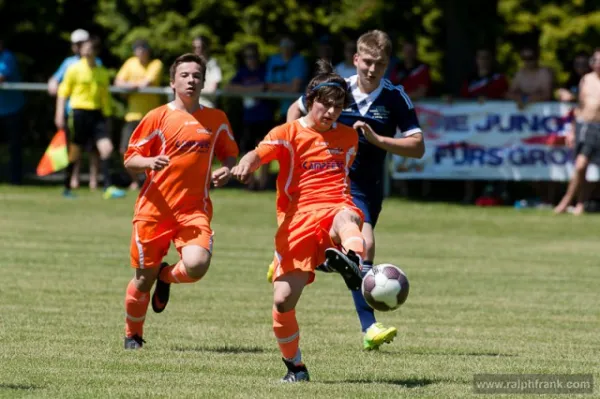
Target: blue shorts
[(370, 204)]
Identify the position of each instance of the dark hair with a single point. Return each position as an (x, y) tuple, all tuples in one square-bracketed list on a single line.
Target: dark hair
[(204, 39), (334, 87), (141, 43), (188, 57)]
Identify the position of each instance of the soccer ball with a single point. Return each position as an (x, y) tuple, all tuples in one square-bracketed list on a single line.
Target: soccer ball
[(385, 287)]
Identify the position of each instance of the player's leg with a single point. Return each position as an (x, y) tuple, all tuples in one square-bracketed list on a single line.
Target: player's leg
[(105, 149), (77, 128), (375, 334), (94, 169), (194, 242), (286, 293), (581, 164), (149, 244), (582, 151), (137, 298), (345, 232)]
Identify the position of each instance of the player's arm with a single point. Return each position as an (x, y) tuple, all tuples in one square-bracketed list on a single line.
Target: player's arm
[(266, 151), (247, 166), (64, 91), (227, 151), (411, 146), (145, 143), (57, 78), (122, 78), (296, 110), (139, 164)]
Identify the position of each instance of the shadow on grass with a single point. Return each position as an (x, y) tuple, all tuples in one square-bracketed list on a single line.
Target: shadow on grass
[(408, 351), (406, 383), (226, 349), (17, 387)]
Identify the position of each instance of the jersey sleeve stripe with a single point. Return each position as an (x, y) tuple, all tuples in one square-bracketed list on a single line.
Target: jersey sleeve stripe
[(288, 146), (225, 127), (411, 132)]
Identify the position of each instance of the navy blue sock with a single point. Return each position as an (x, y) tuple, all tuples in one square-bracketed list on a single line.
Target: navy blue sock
[(366, 314)]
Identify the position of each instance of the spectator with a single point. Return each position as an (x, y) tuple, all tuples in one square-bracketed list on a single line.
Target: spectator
[(286, 73), (213, 76), (77, 38), (11, 105), (138, 72), (258, 115), (347, 68), (88, 86), (532, 83), (585, 137), (411, 73), (485, 83), (570, 91)]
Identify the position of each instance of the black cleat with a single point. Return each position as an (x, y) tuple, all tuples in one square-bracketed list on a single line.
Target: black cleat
[(325, 268), (160, 298), (295, 373), (135, 342), (348, 265)]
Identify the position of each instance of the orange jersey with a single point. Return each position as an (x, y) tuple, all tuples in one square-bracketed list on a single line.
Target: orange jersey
[(313, 166), (190, 141)]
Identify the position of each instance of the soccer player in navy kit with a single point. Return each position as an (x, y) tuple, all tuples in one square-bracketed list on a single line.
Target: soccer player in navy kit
[(380, 111)]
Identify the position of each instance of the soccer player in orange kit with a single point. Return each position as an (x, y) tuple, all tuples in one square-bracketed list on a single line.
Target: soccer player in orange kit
[(315, 154), (174, 145)]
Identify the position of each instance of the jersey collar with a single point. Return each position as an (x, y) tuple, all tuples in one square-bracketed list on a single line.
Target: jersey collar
[(363, 101)]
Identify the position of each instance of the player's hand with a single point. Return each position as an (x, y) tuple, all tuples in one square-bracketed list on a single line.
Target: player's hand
[(221, 176), (367, 131), (241, 172), (159, 163)]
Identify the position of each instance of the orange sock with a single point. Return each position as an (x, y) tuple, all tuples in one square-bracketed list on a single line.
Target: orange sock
[(352, 239), (285, 327), (136, 306), (176, 274)]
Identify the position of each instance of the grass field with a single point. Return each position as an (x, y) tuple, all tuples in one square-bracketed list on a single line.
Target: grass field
[(492, 291)]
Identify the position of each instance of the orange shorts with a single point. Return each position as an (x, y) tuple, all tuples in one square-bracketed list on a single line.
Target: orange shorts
[(303, 237), (150, 240)]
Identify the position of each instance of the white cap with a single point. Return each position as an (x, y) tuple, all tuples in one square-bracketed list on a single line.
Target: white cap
[(79, 36)]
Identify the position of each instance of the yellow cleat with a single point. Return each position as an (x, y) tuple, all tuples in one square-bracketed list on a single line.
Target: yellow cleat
[(377, 335), (270, 272)]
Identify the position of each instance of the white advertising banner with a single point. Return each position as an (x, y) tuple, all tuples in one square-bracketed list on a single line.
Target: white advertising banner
[(491, 141)]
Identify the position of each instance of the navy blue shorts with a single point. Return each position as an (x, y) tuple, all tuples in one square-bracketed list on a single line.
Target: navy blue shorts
[(369, 203)]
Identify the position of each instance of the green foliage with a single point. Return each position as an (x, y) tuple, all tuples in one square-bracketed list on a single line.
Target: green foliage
[(560, 27)]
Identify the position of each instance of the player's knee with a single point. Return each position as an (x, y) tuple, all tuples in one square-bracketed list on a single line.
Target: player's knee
[(581, 163), (282, 302), (144, 282), (105, 148), (198, 264)]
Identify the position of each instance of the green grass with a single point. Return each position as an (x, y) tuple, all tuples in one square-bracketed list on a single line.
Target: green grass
[(492, 291)]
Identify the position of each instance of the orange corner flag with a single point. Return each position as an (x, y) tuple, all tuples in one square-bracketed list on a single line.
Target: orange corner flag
[(56, 156)]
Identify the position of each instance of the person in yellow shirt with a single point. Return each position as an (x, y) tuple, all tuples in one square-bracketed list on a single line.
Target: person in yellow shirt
[(87, 85), (136, 73)]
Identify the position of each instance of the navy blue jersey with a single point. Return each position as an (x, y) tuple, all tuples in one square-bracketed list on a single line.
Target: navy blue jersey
[(389, 111)]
